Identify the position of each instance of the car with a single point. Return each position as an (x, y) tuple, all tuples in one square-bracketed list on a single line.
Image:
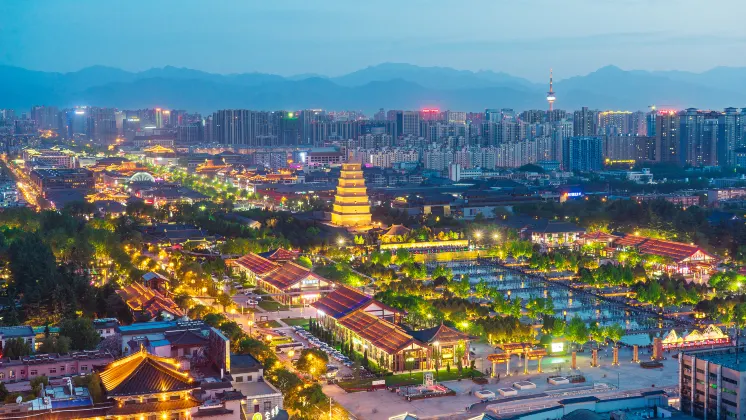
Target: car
[(252, 302)]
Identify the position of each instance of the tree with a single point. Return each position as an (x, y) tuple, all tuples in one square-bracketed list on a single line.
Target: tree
[(36, 384), (82, 334), (225, 300), (576, 331), (312, 362), (183, 300), (597, 333), (3, 392), (304, 261), (199, 311), (52, 344), (95, 387), (214, 319), (615, 332), (16, 347), (285, 380)]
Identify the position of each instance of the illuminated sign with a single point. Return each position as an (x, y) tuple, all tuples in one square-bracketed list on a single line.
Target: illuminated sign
[(79, 111), (558, 347), (574, 194)]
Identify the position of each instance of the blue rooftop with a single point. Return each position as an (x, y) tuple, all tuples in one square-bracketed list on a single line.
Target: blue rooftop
[(142, 326), (17, 331)]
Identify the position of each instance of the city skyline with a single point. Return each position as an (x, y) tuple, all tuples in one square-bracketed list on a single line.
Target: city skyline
[(326, 38)]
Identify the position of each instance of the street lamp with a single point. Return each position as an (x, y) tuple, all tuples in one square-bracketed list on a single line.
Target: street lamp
[(251, 324), (341, 241)]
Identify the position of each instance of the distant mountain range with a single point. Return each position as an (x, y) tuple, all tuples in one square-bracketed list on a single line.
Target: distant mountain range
[(388, 85)]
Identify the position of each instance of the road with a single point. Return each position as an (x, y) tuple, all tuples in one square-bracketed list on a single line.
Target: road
[(23, 182)]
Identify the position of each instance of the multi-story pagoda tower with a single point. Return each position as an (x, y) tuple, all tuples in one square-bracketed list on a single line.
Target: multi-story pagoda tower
[(351, 206)]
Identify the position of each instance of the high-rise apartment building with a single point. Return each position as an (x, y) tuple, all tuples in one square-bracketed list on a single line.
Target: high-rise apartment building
[(585, 122), (586, 153), (667, 138), (731, 136)]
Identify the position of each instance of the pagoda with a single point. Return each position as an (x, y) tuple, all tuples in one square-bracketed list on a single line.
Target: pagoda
[(351, 207)]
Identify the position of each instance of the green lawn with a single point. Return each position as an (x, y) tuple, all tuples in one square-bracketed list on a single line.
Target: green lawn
[(293, 322), (271, 305), (269, 324), (415, 379)]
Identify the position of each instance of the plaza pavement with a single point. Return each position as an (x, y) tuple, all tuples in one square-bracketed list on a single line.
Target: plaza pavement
[(630, 377)]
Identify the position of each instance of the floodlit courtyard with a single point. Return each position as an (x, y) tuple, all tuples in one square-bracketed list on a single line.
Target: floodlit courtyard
[(605, 380)]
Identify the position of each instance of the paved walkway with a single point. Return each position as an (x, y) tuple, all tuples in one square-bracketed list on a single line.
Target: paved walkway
[(629, 377)]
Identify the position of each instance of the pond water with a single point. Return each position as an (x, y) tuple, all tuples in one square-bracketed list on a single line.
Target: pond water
[(567, 303)]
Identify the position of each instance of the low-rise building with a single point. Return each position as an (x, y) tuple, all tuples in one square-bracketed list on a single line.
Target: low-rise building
[(52, 365), (149, 304), (192, 342), (50, 180), (713, 383), (372, 327), (291, 283), (22, 332)]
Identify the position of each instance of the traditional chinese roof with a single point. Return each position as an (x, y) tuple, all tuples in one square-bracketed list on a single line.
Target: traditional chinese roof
[(556, 227), (257, 264), (341, 302), (142, 373), (598, 236), (290, 274), (186, 338), (397, 230), (677, 251), (280, 255), (144, 299), (380, 333), (441, 333), (154, 407)]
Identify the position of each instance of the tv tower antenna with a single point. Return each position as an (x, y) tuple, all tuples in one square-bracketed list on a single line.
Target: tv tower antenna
[(550, 95)]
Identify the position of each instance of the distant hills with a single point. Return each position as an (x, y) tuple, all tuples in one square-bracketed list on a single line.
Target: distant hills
[(388, 85)]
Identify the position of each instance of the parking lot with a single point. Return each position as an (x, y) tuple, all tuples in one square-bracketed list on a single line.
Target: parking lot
[(336, 358)]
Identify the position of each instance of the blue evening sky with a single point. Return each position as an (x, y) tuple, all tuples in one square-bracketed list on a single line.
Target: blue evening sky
[(333, 37)]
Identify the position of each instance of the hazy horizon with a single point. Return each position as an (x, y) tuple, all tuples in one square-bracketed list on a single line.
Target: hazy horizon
[(330, 38)]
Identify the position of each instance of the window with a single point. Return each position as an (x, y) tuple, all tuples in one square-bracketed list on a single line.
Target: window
[(53, 370), (2, 375), (267, 405), (730, 381), (175, 397), (239, 378), (700, 371), (62, 368), (83, 368), (33, 373)]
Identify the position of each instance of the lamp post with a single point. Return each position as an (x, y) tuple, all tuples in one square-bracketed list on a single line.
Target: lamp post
[(251, 324)]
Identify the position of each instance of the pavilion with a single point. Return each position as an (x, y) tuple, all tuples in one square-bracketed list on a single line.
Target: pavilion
[(374, 327), (143, 385)]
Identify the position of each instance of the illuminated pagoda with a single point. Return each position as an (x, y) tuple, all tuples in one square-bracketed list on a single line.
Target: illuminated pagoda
[(351, 207), (146, 386)]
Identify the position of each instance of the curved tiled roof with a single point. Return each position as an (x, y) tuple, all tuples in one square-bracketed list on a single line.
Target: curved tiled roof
[(341, 302), (150, 301), (256, 264), (441, 333), (677, 251), (142, 373), (380, 333), (289, 274)]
